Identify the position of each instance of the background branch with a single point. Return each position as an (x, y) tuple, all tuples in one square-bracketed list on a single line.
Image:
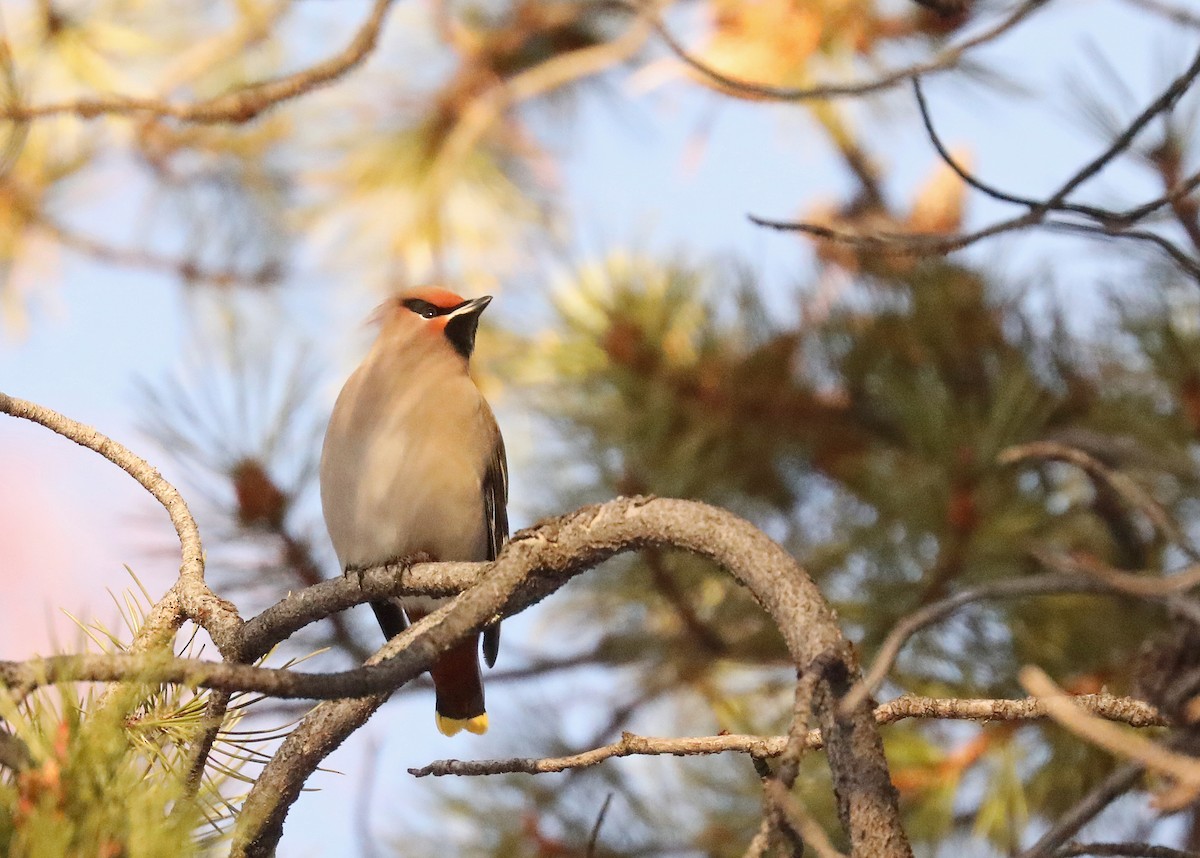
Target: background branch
[(241, 105), (946, 59)]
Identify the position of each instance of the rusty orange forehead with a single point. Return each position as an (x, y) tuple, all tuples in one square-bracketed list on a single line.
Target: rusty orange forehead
[(442, 298)]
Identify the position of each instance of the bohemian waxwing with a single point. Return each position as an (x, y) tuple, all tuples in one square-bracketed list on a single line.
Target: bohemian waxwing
[(413, 468)]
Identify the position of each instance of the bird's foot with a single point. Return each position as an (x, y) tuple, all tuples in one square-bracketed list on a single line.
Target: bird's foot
[(357, 572), (407, 561)]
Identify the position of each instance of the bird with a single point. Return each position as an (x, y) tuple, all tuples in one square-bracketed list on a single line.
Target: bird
[(413, 468)]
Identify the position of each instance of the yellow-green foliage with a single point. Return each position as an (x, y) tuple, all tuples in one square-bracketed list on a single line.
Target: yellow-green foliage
[(105, 774), (92, 788)]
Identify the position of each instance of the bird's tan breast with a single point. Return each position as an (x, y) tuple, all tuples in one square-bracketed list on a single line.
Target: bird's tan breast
[(403, 464)]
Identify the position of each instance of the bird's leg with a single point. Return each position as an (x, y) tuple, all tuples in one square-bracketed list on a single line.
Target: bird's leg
[(388, 611)]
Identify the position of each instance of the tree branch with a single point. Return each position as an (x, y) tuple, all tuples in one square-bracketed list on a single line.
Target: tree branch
[(1120, 781), (889, 650), (190, 596), (946, 59), (1124, 850), (1126, 710), (1037, 211), (538, 561), (241, 105), (1184, 769)]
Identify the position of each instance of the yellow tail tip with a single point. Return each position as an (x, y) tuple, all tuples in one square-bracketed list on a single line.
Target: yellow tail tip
[(451, 726)]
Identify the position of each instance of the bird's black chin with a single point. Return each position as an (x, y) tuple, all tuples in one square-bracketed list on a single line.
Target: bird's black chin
[(460, 331)]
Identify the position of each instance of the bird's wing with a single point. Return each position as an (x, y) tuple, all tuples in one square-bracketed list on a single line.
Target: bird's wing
[(495, 512)]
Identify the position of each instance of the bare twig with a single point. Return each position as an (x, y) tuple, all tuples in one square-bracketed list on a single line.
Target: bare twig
[(1125, 710), (1127, 488), (1037, 211), (1116, 784), (1154, 586), (1186, 263), (241, 105), (797, 817), (889, 650), (186, 270), (1185, 770), (1147, 584), (1178, 14), (946, 59), (761, 842), (1108, 223), (594, 837), (1123, 850)]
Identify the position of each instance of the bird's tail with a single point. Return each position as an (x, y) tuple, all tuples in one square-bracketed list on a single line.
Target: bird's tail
[(459, 687)]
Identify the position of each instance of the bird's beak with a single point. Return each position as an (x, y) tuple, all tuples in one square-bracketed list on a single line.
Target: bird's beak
[(471, 308)]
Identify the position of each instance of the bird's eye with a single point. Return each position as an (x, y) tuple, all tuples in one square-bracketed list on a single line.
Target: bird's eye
[(424, 309)]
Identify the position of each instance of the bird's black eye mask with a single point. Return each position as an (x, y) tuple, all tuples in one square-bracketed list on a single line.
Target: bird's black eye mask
[(426, 310), (460, 329)]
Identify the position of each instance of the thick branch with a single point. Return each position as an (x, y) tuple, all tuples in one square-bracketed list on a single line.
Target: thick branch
[(538, 561)]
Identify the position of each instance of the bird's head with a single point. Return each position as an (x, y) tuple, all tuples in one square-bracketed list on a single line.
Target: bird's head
[(440, 313)]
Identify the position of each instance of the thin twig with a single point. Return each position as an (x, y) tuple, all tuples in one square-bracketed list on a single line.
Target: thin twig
[(1148, 584), (1115, 785), (800, 820), (241, 105), (594, 837), (1036, 215), (1180, 767), (1126, 487), (1107, 222), (943, 61), (1123, 850), (1177, 14), (889, 650), (1124, 710), (1154, 586)]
